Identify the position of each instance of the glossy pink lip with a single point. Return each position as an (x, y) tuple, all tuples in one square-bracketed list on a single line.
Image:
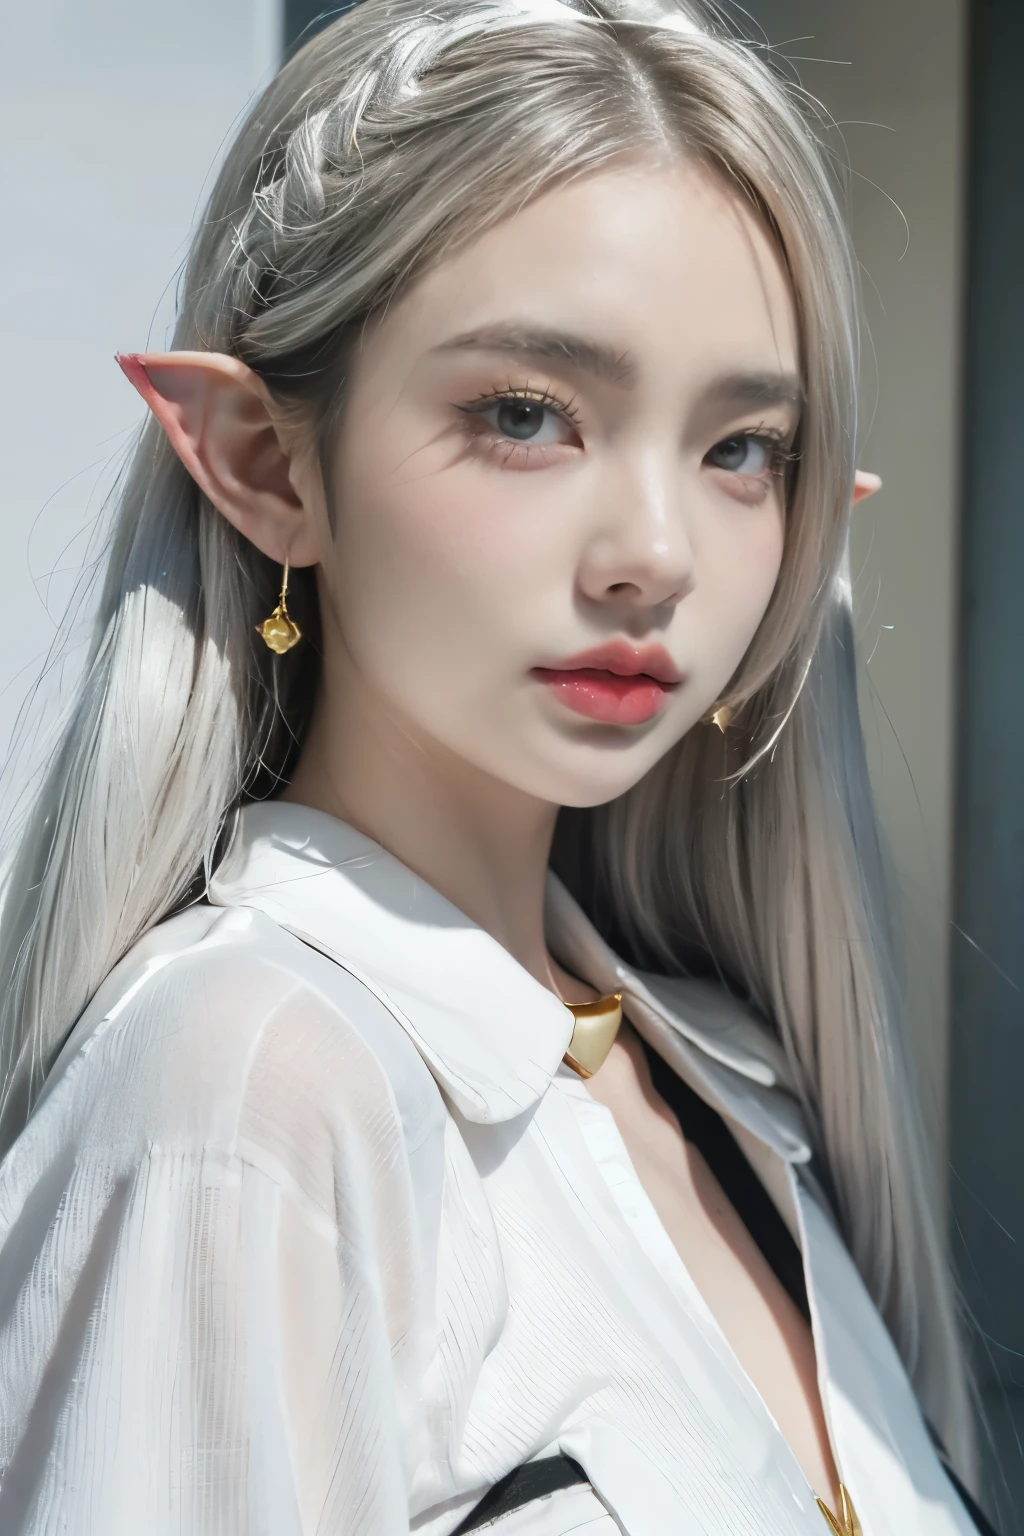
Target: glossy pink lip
[(617, 683)]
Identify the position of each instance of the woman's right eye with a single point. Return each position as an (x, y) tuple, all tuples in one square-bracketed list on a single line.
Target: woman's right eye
[(525, 421), (525, 417)]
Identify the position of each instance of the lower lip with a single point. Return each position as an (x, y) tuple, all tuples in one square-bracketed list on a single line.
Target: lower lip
[(605, 696)]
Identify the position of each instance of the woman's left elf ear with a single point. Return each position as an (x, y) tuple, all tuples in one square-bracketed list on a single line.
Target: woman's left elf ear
[(220, 420), (865, 484)]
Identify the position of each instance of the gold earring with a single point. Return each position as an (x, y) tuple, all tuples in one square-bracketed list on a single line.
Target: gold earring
[(280, 631), (719, 715)]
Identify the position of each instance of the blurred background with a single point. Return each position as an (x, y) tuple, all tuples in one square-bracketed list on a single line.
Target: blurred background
[(115, 112)]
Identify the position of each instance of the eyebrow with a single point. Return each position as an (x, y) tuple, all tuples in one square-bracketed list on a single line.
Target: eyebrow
[(748, 389), (594, 357), (737, 390)]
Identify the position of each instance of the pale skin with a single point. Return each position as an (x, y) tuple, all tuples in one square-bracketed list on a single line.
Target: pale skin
[(462, 557)]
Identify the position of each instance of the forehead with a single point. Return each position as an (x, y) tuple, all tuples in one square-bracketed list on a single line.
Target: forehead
[(663, 262)]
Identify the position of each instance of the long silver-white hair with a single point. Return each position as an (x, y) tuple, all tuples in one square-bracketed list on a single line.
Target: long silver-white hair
[(397, 133)]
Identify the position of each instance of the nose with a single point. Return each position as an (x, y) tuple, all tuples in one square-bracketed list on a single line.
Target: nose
[(639, 553)]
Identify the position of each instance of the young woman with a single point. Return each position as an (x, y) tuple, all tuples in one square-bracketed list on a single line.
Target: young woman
[(452, 1073)]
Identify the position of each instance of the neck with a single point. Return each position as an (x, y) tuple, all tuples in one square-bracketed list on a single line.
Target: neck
[(481, 843)]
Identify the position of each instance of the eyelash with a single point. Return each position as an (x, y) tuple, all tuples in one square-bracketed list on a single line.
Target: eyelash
[(781, 458), (509, 450), (482, 402)]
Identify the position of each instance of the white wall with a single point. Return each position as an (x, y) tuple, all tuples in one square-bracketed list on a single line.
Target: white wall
[(112, 113)]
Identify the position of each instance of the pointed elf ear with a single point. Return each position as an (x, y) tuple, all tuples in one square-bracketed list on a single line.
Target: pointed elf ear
[(220, 420), (865, 484)]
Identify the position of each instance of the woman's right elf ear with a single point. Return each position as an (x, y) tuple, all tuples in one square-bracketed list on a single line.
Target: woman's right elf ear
[(220, 419)]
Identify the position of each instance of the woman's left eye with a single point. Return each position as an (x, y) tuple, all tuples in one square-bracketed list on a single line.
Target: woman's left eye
[(746, 453)]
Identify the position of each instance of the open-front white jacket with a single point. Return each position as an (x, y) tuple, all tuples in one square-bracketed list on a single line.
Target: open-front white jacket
[(311, 1234)]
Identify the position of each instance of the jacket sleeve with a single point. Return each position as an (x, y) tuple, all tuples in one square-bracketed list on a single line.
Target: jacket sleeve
[(207, 1275)]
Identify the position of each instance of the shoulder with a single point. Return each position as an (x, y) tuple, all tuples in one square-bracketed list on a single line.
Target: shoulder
[(215, 1202), (220, 1030)]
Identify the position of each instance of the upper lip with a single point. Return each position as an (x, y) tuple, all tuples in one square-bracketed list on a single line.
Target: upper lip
[(624, 660)]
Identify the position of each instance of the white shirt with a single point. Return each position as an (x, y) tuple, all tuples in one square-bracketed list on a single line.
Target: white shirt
[(311, 1234)]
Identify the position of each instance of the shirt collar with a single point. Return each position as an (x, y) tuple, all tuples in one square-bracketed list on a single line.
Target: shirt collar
[(713, 1040), (490, 1033)]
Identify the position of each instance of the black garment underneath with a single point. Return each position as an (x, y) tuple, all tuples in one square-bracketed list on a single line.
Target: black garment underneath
[(705, 1128), (533, 1480), (708, 1132)]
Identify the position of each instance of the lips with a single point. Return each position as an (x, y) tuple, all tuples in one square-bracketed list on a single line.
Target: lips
[(617, 683)]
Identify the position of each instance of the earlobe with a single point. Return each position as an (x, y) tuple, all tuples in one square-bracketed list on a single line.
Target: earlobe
[(218, 417)]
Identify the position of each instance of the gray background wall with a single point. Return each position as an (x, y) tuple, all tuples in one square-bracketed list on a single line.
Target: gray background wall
[(987, 1133), (893, 78), (928, 97)]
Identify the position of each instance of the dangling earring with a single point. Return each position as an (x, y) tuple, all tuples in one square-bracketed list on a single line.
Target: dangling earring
[(280, 631), (719, 715)]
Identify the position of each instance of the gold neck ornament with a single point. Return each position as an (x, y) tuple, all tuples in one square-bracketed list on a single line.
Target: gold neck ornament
[(848, 1524), (597, 1024)]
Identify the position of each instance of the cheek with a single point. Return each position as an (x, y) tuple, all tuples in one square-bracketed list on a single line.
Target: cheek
[(747, 561), (435, 589), (763, 562)]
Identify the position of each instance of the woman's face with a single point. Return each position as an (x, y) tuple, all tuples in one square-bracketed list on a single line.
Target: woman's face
[(559, 504)]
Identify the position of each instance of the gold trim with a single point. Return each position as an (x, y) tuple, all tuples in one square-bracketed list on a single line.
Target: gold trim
[(850, 1524), (597, 1024)]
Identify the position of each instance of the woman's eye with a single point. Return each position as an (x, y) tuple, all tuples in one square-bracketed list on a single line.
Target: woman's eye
[(745, 454), (522, 420)]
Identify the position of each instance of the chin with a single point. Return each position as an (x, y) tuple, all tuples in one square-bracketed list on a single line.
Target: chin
[(604, 780)]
